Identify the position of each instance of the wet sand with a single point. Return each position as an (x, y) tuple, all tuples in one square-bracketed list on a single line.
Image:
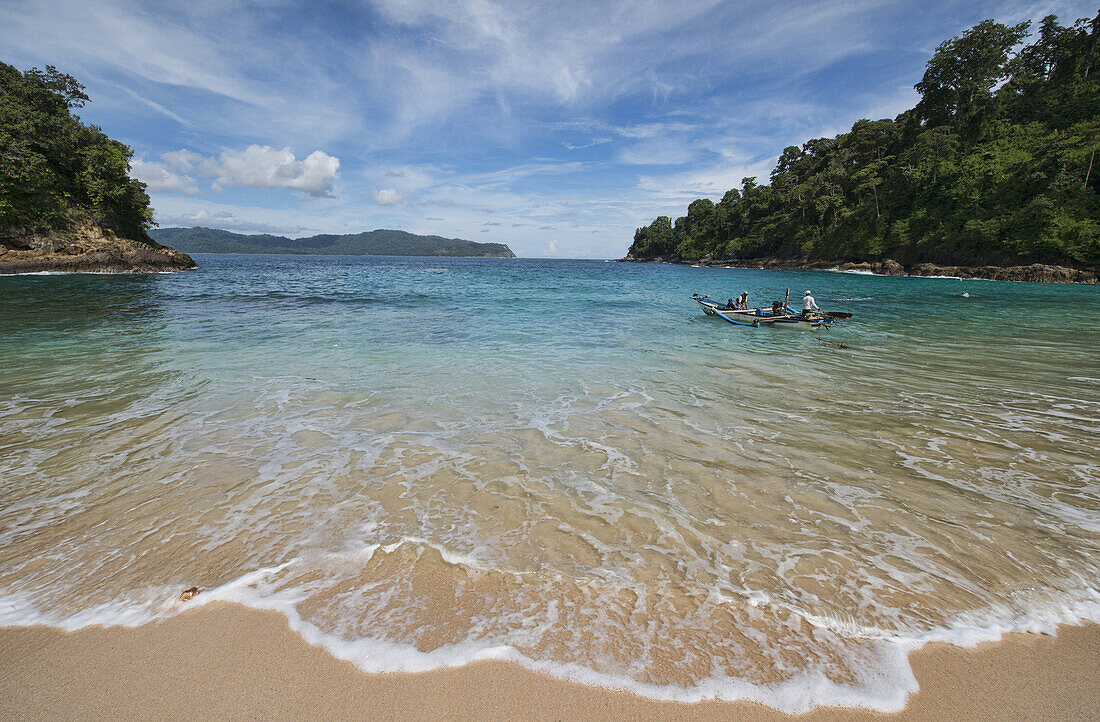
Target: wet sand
[(227, 661)]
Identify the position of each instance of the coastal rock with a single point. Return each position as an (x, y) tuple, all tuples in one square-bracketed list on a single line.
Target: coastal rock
[(1043, 273), (863, 267), (889, 267), (1035, 273), (931, 269), (630, 258), (87, 248)]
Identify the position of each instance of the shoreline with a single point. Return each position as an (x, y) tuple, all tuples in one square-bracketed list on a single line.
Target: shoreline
[(223, 659), (1033, 273)]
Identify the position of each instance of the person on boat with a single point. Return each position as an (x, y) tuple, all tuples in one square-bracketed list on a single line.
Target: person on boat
[(742, 301), (809, 304), (777, 308), (729, 305)]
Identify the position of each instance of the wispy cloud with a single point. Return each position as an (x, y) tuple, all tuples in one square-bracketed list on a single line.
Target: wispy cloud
[(226, 220), (569, 123)]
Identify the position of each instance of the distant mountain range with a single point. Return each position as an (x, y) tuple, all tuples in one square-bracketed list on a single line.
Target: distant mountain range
[(369, 243)]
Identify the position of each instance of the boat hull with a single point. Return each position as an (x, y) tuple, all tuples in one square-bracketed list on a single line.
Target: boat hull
[(757, 317)]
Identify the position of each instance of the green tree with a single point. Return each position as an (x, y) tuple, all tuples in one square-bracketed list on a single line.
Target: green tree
[(55, 170), (996, 164), (959, 77)]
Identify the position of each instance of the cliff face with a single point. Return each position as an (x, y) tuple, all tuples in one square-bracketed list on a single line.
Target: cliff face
[(85, 247)]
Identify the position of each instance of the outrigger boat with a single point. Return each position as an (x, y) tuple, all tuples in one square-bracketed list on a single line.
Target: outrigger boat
[(777, 315)]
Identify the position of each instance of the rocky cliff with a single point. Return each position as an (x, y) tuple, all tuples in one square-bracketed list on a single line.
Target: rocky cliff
[(85, 248)]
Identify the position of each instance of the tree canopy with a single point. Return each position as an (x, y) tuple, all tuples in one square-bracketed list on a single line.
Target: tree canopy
[(54, 169), (994, 165)]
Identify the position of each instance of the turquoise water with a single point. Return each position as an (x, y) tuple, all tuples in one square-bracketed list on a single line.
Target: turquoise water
[(565, 463)]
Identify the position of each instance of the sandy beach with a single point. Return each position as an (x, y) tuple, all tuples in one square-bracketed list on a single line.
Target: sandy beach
[(224, 660)]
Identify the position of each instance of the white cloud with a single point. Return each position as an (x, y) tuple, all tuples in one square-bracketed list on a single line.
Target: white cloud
[(257, 166), (182, 160), (468, 108), (159, 179), (388, 197), (261, 166)]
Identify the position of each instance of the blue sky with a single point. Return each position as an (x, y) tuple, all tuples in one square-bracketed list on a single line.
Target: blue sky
[(557, 128)]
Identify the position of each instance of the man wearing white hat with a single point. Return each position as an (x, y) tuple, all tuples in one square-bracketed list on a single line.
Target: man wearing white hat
[(808, 304)]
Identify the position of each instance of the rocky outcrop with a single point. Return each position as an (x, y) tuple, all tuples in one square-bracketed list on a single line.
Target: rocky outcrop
[(1036, 272), (889, 267), (631, 258), (85, 248)]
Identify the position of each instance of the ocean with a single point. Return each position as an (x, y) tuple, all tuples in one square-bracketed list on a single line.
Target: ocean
[(424, 462)]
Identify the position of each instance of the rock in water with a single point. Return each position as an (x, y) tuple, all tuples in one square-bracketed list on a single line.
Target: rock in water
[(189, 594)]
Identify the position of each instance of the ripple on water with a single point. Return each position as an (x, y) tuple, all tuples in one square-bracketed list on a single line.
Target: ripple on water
[(609, 488)]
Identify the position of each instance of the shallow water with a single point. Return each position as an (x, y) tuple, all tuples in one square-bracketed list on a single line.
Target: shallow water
[(427, 461)]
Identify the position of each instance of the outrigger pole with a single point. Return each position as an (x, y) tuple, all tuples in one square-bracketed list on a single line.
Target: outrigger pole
[(786, 308)]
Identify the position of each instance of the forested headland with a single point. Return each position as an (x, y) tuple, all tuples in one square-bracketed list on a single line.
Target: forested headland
[(67, 201), (995, 166), (368, 243)]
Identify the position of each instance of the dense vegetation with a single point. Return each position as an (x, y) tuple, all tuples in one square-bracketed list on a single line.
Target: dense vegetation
[(372, 243), (995, 165), (54, 169)]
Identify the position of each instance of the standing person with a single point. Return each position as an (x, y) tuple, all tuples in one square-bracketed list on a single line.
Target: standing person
[(808, 304), (743, 301)]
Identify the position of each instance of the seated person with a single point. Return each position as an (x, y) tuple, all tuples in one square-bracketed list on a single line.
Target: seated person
[(777, 308)]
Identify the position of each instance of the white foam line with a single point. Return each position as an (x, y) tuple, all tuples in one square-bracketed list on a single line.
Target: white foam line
[(376, 656), (886, 691), (852, 271)]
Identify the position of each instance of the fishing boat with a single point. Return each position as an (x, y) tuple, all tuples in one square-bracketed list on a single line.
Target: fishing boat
[(778, 315)]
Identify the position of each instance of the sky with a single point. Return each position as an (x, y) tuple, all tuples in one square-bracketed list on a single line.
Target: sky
[(555, 127)]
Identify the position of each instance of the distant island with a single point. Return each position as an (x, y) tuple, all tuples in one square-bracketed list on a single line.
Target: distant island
[(993, 174), (369, 243), (67, 202)]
